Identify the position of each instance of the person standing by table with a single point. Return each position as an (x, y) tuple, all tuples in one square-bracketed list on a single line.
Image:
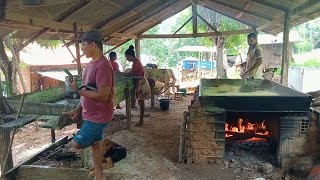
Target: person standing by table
[(141, 85), (253, 68), (112, 59), (96, 106)]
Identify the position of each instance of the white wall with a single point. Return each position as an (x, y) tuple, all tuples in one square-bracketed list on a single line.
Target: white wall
[(304, 79)]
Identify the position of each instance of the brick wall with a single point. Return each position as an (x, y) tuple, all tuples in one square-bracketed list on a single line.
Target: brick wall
[(25, 71), (205, 140)]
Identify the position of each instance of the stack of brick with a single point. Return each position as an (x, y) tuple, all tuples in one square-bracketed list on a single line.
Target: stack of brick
[(204, 134)]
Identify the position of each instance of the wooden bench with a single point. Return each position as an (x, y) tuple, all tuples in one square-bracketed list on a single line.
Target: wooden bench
[(18, 123)]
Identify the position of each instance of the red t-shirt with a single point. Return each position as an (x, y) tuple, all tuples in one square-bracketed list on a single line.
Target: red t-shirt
[(114, 65), (101, 73), (137, 69)]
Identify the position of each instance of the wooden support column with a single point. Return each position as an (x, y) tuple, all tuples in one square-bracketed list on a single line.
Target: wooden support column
[(194, 19), (5, 142), (75, 28), (138, 48), (285, 50), (128, 107), (152, 85)]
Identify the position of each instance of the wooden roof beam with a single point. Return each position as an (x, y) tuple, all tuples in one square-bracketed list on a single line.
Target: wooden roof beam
[(208, 24), (222, 3), (277, 21), (14, 17), (247, 6), (60, 18), (120, 16), (305, 6), (210, 6), (225, 33), (183, 25), (153, 11), (194, 19), (19, 4), (272, 5), (123, 35)]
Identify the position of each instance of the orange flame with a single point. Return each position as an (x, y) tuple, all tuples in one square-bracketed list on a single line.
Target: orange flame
[(247, 127)]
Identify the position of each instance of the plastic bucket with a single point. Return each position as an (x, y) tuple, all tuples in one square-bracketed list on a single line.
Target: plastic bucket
[(184, 90), (164, 104)]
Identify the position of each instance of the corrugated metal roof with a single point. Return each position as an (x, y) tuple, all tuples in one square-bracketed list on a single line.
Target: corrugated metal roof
[(136, 17)]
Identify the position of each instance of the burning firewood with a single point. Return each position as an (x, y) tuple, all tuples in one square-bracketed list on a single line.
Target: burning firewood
[(236, 136)]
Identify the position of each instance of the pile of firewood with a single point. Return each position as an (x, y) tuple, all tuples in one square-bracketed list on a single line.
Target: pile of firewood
[(315, 98)]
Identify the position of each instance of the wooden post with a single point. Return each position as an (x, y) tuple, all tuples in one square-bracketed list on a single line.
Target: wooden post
[(194, 19), (128, 108), (138, 48), (75, 28), (285, 50), (53, 136), (5, 143), (152, 85)]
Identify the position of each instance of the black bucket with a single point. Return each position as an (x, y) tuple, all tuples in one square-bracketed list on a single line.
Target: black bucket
[(164, 104)]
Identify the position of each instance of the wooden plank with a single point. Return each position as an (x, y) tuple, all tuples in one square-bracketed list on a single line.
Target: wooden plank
[(60, 18), (270, 4), (11, 16), (20, 122), (123, 35), (183, 25), (5, 142), (285, 50), (225, 33), (305, 6), (125, 13), (19, 4), (208, 24), (13, 171), (233, 7), (276, 21), (58, 122)]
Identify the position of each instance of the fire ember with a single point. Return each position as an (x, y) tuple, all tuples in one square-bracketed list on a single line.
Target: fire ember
[(246, 131)]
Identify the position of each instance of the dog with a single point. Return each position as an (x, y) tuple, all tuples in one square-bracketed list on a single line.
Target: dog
[(113, 153)]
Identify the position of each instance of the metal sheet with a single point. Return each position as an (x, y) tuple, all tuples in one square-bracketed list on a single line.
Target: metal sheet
[(287, 100)]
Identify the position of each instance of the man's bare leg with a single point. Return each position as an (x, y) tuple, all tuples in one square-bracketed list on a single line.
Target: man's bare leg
[(97, 150)]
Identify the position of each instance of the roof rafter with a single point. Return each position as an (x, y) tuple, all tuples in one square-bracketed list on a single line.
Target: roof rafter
[(305, 6), (60, 18), (262, 16), (121, 14), (149, 14), (210, 6), (272, 5), (19, 4)]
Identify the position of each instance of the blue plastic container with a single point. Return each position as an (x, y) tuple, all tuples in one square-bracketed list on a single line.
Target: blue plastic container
[(164, 104)]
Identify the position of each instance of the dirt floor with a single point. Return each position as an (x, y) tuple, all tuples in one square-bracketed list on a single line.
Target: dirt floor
[(152, 149)]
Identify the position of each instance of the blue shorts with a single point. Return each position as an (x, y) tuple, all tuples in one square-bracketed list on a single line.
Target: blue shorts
[(89, 133)]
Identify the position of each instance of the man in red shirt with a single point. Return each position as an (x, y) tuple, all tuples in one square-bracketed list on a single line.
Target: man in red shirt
[(96, 106)]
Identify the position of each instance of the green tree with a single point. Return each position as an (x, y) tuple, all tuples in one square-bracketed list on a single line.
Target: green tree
[(310, 33), (7, 64), (234, 43)]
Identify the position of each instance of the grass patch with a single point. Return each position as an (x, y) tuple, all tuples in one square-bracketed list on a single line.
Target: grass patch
[(313, 62)]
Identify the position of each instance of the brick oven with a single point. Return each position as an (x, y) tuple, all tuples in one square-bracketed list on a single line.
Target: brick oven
[(221, 115)]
